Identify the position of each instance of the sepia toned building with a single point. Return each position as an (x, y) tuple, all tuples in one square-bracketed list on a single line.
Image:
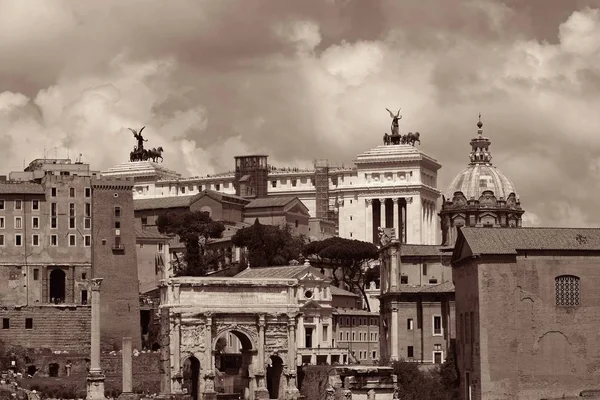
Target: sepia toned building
[(527, 311), (57, 231), (481, 195)]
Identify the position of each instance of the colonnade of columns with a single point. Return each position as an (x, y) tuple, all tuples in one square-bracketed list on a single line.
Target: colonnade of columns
[(386, 213), (429, 223), (415, 222)]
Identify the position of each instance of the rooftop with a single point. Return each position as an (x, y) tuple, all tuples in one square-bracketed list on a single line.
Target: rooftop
[(157, 203), (511, 240), (21, 188)]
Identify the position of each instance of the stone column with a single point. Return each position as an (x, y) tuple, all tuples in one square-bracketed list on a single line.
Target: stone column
[(127, 370), (261, 393), (396, 223), (292, 389), (382, 213), (394, 356), (176, 383), (95, 378), (209, 376), (318, 330), (369, 221), (394, 270), (414, 219)]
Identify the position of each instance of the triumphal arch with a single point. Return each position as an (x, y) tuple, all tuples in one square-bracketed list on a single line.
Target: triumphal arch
[(201, 315)]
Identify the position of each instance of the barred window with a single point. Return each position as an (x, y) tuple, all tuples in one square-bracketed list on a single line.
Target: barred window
[(567, 290)]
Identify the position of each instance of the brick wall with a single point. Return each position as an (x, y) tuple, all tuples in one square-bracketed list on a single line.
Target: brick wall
[(120, 312), (54, 327)]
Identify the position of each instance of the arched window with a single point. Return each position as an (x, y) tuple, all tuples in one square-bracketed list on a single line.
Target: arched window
[(567, 290)]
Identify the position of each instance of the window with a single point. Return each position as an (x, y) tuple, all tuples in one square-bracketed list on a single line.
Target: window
[(53, 209), (218, 187), (71, 192), (347, 336), (87, 223), (374, 355), (83, 275), (72, 240), (84, 297), (351, 218), (88, 192), (88, 210), (28, 323), (18, 223), (567, 290), (296, 223), (274, 184), (5, 323), (71, 209), (87, 240), (438, 357), (35, 240), (1, 240), (71, 222), (424, 269), (144, 220), (117, 212), (117, 224), (54, 240), (183, 190), (18, 205), (325, 338), (294, 182), (404, 279), (437, 325), (18, 240), (36, 274), (2, 223), (354, 336), (35, 222), (410, 352), (161, 247), (53, 192), (409, 324), (53, 222), (35, 205), (433, 281), (1, 204)]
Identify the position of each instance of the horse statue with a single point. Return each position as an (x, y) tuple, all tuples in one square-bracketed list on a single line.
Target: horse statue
[(411, 138), (138, 155), (155, 154), (386, 139)]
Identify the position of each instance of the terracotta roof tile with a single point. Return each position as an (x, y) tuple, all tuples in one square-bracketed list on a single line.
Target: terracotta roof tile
[(284, 272), (420, 250), (21, 188), (510, 240)]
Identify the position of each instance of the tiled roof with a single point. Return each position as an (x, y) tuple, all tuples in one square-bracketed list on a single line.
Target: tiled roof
[(446, 287), (182, 201), (355, 312), (21, 188), (284, 272), (509, 240), (270, 202), (150, 232), (420, 250), (164, 202), (336, 291)]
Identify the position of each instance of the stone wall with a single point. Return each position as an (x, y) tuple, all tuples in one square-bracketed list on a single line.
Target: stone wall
[(64, 328)]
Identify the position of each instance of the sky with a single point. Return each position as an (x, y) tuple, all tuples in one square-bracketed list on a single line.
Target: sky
[(311, 79)]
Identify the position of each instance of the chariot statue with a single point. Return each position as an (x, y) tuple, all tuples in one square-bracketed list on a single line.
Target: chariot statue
[(139, 153), (396, 137)]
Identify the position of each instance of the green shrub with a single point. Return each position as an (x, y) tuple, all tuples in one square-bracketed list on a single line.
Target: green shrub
[(315, 379)]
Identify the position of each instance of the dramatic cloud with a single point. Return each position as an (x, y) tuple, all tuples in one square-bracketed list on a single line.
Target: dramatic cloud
[(301, 80)]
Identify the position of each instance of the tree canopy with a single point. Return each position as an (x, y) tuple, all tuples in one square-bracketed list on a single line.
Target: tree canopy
[(269, 245), (193, 228), (349, 259)]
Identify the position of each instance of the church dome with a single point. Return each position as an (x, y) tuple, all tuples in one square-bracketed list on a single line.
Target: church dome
[(480, 175), (477, 178)]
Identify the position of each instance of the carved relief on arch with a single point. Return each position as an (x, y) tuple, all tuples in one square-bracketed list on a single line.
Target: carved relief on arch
[(193, 339), (276, 339)]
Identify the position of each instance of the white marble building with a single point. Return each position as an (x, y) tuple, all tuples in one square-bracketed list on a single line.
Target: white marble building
[(389, 185)]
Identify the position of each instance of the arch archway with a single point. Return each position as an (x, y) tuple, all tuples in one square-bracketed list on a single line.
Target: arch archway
[(274, 377), (191, 376), (233, 351), (57, 286)]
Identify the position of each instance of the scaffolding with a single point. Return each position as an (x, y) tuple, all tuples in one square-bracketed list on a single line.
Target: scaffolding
[(322, 189)]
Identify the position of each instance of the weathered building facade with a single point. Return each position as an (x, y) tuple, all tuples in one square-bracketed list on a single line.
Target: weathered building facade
[(48, 250), (527, 310)]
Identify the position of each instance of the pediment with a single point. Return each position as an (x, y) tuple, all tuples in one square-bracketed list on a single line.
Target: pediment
[(311, 305), (296, 206)]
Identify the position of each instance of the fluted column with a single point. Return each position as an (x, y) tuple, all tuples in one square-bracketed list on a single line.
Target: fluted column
[(396, 223), (292, 390), (95, 378), (382, 213), (176, 384), (369, 221), (261, 392), (209, 376)]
